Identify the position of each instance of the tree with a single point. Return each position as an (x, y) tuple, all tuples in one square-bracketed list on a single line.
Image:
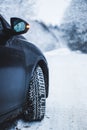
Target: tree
[(76, 12), (74, 25), (19, 8)]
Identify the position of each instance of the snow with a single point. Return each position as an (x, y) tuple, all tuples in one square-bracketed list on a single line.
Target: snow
[(67, 101), (40, 35), (67, 90), (51, 11)]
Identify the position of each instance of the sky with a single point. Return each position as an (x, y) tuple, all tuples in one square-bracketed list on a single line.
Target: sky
[(52, 11)]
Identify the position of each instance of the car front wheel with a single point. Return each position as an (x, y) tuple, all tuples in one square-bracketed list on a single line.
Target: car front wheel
[(36, 97)]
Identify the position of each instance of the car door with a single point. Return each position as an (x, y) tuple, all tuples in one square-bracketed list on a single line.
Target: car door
[(12, 79)]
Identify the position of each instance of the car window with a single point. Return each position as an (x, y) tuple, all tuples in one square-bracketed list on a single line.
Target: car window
[(1, 27)]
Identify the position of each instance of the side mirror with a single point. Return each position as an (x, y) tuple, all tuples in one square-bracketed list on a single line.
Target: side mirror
[(19, 26)]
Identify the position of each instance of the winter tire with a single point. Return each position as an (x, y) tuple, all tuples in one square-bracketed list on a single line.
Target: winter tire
[(36, 97)]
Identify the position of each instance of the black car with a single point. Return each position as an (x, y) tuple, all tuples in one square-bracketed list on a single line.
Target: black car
[(24, 76)]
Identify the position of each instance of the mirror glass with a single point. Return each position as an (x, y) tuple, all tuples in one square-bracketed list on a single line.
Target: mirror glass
[(19, 27)]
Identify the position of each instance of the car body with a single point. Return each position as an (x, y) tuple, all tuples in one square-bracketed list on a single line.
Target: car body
[(24, 74)]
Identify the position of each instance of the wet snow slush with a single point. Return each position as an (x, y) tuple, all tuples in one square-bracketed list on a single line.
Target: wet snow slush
[(66, 107)]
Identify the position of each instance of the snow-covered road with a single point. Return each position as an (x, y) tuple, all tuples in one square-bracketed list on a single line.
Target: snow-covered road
[(67, 102)]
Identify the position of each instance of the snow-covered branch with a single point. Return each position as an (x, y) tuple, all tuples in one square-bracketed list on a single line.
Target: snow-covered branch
[(20, 8)]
